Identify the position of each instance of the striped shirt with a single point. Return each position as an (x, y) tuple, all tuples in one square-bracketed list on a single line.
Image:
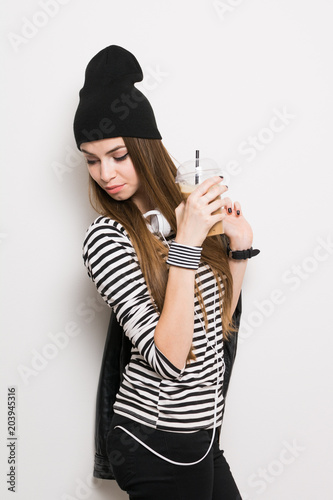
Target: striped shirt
[(154, 392)]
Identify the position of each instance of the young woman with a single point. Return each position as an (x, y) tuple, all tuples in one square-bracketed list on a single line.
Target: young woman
[(172, 289)]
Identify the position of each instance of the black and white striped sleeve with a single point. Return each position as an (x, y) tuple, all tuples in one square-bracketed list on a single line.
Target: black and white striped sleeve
[(112, 265)]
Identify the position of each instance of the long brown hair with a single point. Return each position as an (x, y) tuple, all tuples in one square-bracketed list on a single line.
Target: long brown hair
[(157, 172)]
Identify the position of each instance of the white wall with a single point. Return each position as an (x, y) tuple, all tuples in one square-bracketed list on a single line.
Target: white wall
[(219, 73)]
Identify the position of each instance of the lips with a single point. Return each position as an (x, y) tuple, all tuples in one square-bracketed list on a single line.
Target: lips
[(114, 189)]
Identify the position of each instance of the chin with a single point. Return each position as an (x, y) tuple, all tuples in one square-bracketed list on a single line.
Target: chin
[(119, 197)]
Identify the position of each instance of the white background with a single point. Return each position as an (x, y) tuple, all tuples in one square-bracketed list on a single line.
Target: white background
[(216, 75)]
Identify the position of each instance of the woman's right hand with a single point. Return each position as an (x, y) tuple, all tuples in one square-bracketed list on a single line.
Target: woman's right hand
[(194, 217)]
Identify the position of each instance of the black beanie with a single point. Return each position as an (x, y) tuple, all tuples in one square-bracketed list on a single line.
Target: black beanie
[(110, 105)]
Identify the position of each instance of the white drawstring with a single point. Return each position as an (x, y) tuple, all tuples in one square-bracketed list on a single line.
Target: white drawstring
[(168, 459)]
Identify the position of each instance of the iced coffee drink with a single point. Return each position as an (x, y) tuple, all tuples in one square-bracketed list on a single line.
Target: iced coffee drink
[(190, 174)]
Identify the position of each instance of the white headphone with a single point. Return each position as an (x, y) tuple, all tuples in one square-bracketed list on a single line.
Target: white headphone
[(158, 223)]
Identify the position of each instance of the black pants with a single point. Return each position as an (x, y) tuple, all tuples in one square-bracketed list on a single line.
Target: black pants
[(147, 477)]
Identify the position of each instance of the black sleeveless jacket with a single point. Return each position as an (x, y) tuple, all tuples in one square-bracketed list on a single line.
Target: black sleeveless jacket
[(117, 353)]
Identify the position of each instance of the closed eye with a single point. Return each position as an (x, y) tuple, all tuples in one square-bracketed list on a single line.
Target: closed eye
[(120, 158)]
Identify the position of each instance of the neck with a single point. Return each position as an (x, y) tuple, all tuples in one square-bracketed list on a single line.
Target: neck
[(143, 203)]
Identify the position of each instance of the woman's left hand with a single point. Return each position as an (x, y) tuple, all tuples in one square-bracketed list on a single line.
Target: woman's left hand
[(236, 226)]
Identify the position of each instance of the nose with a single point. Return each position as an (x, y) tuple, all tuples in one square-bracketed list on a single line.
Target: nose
[(107, 170)]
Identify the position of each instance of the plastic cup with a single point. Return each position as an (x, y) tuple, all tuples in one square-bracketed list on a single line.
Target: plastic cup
[(189, 176)]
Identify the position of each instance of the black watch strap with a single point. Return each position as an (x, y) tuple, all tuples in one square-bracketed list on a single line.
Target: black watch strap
[(242, 254)]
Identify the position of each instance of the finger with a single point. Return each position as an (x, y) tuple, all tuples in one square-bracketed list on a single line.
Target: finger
[(237, 208), (206, 185), (217, 218), (215, 192), (227, 205), (215, 205)]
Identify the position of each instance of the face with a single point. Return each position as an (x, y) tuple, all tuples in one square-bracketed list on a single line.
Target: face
[(110, 165)]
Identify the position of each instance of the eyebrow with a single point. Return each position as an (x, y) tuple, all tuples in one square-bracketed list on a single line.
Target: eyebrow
[(111, 150)]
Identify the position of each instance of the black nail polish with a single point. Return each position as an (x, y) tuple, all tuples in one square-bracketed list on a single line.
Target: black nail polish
[(226, 186), (221, 176), (238, 212), (229, 210)]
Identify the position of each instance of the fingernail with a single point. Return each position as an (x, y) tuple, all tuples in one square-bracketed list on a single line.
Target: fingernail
[(221, 176), (229, 210), (226, 186), (238, 212)]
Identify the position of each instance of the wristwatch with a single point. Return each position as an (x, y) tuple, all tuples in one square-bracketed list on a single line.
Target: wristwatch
[(242, 254)]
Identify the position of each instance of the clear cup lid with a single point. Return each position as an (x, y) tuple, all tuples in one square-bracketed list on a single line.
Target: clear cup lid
[(188, 173)]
